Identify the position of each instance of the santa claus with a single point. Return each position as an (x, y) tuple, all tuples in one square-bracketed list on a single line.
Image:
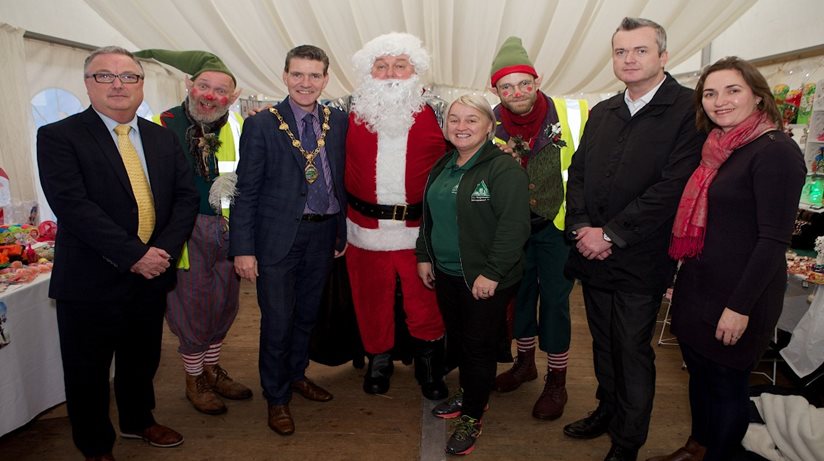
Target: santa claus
[(393, 140)]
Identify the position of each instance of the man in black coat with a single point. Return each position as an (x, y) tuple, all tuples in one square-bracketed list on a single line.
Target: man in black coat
[(125, 202), (626, 178)]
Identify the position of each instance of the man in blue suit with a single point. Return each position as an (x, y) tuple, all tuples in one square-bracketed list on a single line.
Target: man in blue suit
[(288, 223)]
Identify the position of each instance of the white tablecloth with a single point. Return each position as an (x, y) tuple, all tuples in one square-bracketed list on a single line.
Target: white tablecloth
[(31, 371), (795, 303), (805, 352)]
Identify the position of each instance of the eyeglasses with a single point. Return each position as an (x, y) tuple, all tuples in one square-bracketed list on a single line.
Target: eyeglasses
[(523, 85), (108, 77)]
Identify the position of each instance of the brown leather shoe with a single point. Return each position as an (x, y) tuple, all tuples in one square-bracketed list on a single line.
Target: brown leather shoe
[(692, 451), (220, 381), (522, 370), (280, 419), (203, 396), (156, 435), (311, 391), (550, 404), (106, 457)]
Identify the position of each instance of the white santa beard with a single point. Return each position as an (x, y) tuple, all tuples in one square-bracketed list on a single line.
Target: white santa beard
[(388, 106)]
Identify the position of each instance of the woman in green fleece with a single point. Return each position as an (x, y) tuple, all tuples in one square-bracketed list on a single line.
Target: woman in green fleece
[(475, 225)]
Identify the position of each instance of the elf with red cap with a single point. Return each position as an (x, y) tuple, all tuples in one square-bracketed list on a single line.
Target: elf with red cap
[(536, 130)]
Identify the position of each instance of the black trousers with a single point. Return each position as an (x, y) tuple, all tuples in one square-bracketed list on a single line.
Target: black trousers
[(622, 325), (719, 402), (289, 294), (472, 336), (90, 334)]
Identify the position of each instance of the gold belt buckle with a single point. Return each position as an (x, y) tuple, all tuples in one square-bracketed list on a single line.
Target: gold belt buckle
[(395, 212)]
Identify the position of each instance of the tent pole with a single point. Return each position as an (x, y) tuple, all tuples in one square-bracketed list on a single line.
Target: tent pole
[(58, 41)]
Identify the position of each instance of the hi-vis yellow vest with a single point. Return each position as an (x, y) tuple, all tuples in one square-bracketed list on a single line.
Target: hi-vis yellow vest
[(227, 158), (573, 115)]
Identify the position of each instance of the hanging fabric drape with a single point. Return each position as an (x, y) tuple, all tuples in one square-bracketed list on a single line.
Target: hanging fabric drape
[(568, 40)]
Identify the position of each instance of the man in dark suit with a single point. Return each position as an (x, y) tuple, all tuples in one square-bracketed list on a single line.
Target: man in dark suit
[(637, 152), (288, 222), (125, 202)]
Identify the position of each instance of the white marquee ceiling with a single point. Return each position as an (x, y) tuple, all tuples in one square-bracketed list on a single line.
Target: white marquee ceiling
[(567, 39)]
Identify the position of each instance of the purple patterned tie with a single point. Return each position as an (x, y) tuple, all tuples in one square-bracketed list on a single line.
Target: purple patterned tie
[(318, 199)]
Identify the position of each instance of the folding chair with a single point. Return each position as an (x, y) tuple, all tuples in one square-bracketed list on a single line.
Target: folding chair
[(670, 340), (771, 355)]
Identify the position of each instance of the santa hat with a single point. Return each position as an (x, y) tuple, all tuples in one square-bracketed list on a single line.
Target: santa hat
[(511, 58), (193, 63), (391, 44)]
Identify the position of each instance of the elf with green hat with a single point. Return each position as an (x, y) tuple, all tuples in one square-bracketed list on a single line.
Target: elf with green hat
[(205, 301), (536, 130)]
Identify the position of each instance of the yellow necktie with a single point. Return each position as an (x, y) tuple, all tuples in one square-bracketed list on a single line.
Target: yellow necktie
[(140, 185)]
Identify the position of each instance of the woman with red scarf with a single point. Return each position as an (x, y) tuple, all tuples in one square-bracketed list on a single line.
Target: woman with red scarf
[(731, 230)]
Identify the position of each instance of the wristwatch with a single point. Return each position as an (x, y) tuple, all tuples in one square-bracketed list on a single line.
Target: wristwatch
[(606, 237)]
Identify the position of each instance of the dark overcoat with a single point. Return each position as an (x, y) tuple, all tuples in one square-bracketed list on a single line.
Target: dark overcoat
[(627, 177)]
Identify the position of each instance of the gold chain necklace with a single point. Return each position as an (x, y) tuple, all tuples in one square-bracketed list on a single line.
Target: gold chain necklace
[(310, 172)]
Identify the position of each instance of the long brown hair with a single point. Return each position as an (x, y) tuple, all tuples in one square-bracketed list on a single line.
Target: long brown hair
[(752, 77)]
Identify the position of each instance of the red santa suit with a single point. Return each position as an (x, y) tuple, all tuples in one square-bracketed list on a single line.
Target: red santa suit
[(389, 170)]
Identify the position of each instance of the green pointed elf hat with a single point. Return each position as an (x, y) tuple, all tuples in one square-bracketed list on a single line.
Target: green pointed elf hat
[(193, 63), (511, 58)]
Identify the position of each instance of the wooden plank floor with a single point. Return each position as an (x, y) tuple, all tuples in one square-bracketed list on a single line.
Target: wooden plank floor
[(357, 426)]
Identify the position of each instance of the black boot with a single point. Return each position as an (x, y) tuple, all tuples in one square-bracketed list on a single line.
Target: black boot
[(376, 380), (594, 425), (429, 366)]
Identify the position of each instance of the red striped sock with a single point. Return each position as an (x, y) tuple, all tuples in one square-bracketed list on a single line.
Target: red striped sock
[(557, 362), (525, 344), (213, 354), (193, 363)]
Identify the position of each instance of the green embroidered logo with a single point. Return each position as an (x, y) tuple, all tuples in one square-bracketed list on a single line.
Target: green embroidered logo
[(481, 193)]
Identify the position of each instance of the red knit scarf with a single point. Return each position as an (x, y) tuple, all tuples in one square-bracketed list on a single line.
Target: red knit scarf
[(691, 218), (526, 126)]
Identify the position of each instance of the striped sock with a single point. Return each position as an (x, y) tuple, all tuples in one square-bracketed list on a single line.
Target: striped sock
[(213, 354), (525, 344), (557, 362), (193, 363)]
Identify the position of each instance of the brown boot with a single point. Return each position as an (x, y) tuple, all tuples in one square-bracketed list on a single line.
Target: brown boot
[(203, 398), (522, 370), (220, 381), (550, 404), (692, 451)]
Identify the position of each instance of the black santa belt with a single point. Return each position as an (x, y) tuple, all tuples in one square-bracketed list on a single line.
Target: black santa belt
[(411, 212)]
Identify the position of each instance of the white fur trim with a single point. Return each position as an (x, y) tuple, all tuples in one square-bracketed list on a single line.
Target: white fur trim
[(391, 236), (390, 170)]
